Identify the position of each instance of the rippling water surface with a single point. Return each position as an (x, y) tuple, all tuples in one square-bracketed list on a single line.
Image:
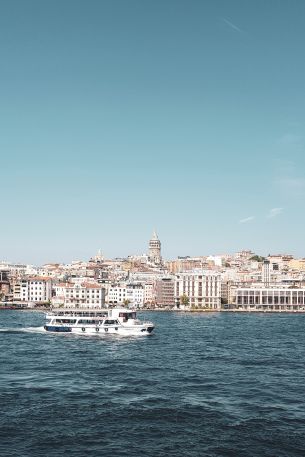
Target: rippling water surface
[(202, 385)]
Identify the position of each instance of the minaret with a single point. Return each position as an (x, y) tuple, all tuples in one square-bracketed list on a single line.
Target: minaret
[(99, 256), (155, 249)]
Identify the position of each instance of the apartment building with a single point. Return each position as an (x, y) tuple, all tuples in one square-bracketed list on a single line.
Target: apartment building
[(165, 292), (4, 283), (134, 293), (36, 289), (77, 295), (149, 295), (116, 294)]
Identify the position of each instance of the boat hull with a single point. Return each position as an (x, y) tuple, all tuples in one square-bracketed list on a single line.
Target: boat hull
[(57, 329)]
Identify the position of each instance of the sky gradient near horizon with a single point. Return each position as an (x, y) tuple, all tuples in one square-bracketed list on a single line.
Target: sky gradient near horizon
[(118, 117)]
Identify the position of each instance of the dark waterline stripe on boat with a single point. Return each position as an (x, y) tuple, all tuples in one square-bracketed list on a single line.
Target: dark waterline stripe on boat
[(54, 328)]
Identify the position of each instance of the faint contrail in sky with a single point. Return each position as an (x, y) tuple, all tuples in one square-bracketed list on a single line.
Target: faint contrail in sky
[(274, 212), (247, 219), (231, 25)]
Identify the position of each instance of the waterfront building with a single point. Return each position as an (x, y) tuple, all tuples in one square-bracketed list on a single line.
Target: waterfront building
[(4, 284), (149, 296), (37, 289), (269, 299), (77, 295), (133, 293), (165, 292), (16, 290), (154, 255), (203, 289), (225, 291), (116, 294)]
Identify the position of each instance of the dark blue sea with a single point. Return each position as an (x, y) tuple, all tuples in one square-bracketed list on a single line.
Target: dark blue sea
[(203, 385)]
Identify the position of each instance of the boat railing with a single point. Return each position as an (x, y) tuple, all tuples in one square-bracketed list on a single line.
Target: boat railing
[(75, 315)]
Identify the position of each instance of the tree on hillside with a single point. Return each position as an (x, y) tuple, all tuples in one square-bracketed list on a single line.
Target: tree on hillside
[(257, 258)]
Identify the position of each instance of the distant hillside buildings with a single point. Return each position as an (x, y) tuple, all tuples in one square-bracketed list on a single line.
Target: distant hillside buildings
[(242, 281)]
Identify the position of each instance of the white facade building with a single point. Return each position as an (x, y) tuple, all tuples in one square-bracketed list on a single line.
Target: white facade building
[(149, 294), (203, 289), (134, 293), (116, 294), (269, 299), (85, 295), (36, 289)]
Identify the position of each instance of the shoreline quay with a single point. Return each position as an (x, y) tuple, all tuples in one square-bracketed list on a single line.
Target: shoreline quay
[(186, 311)]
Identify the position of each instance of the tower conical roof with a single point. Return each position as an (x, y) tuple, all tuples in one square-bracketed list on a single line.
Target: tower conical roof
[(154, 236)]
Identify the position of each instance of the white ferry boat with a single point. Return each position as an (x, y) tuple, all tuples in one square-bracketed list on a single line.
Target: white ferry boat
[(119, 321)]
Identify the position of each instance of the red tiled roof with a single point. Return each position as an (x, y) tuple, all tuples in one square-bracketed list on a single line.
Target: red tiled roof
[(39, 278), (89, 285)]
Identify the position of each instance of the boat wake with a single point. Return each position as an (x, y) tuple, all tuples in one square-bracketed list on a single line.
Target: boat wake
[(22, 330)]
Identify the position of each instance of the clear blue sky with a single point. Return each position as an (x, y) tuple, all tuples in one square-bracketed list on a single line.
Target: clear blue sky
[(120, 116)]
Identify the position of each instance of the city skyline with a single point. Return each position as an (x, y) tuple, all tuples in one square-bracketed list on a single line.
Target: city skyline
[(124, 116), (154, 255)]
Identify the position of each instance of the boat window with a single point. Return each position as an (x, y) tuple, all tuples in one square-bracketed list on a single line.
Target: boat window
[(127, 316), (88, 321), (67, 321), (110, 321)]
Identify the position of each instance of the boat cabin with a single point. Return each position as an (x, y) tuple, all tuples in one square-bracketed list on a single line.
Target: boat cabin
[(122, 314)]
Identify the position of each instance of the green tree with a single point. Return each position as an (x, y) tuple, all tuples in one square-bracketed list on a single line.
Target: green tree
[(257, 258), (126, 302), (184, 300)]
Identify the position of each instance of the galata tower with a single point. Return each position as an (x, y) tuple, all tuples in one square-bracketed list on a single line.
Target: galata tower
[(155, 249)]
